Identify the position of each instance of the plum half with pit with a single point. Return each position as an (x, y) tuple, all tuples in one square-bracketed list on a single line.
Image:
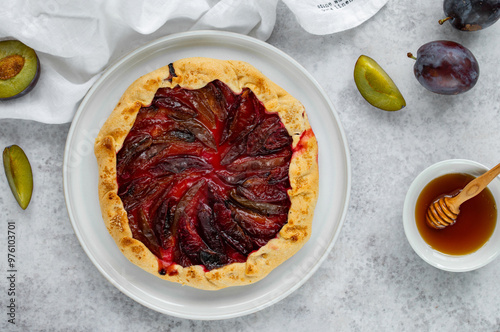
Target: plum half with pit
[(19, 69), (471, 15), (445, 67)]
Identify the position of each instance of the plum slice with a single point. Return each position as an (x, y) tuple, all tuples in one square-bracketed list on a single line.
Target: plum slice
[(258, 137), (193, 102), (244, 118), (376, 86), (276, 141), (260, 190), (230, 231), (19, 69), (147, 231), (203, 176), (234, 152), (180, 163), (257, 224), (174, 109), (267, 162), (201, 133), (19, 174), (261, 207)]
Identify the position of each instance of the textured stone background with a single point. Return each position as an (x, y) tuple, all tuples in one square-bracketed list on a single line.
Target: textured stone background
[(372, 280)]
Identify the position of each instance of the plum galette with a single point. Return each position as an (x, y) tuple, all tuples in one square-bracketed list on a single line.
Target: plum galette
[(208, 173)]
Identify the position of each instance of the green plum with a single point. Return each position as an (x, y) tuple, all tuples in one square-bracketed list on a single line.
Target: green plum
[(19, 175), (376, 86)]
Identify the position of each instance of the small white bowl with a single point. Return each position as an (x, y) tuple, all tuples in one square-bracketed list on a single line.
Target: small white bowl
[(484, 255)]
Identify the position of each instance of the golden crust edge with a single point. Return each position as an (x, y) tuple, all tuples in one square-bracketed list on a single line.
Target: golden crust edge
[(193, 73)]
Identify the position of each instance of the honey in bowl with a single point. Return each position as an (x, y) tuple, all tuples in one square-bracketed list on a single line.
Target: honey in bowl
[(475, 222)]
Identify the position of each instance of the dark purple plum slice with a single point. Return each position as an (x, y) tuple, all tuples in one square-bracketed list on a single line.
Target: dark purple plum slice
[(266, 162), (257, 224), (230, 231), (261, 207), (260, 190)]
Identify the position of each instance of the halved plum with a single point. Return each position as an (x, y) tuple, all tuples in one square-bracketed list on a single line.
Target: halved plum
[(203, 176), (19, 69)]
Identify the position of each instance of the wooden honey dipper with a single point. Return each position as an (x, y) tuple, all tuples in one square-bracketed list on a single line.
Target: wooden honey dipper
[(444, 211)]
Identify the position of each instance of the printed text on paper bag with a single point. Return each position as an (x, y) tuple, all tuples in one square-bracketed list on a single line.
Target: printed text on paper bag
[(332, 5)]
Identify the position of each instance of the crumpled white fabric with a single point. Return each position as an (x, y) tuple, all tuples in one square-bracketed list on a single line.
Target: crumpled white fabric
[(321, 17), (77, 40)]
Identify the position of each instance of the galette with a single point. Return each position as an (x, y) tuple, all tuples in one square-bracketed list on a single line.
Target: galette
[(208, 173)]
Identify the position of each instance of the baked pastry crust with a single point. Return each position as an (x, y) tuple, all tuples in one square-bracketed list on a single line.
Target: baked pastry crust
[(195, 73)]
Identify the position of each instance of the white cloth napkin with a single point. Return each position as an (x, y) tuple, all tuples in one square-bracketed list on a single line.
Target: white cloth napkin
[(77, 40)]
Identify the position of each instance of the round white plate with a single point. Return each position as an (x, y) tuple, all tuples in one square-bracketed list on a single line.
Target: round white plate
[(80, 177)]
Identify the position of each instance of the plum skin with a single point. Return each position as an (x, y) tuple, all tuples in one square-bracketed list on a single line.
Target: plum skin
[(446, 67), (471, 15)]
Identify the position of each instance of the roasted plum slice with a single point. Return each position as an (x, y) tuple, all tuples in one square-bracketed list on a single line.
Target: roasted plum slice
[(147, 232), (19, 69), (259, 136), (180, 163), (244, 118), (256, 224), (207, 228), (230, 230), (259, 189), (254, 163), (203, 176)]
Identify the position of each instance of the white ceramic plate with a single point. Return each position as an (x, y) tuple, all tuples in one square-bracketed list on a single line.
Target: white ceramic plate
[(80, 177)]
